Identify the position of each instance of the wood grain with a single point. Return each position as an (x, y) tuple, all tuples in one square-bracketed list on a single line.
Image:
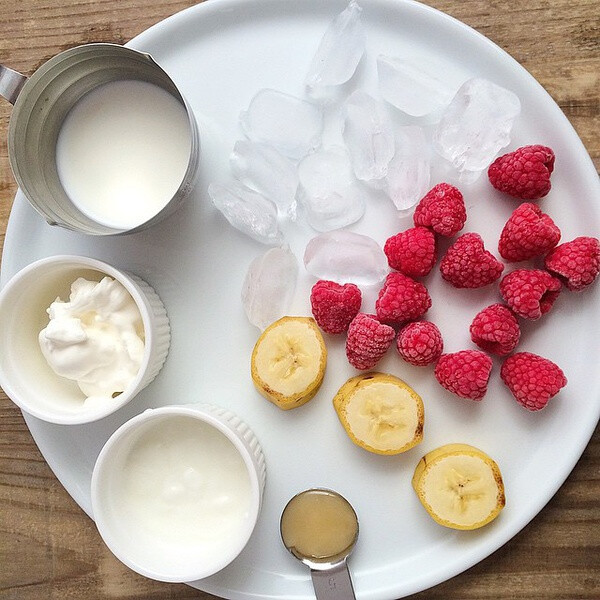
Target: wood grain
[(49, 549)]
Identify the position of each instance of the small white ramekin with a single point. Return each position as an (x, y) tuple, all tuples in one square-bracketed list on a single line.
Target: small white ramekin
[(148, 553), (25, 375)]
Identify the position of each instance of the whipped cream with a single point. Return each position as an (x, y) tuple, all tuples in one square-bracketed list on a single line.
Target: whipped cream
[(96, 338)]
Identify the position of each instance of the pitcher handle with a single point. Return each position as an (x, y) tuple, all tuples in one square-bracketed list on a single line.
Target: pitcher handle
[(11, 83)]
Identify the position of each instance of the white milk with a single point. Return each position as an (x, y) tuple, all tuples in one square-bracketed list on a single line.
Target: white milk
[(184, 483), (122, 152)]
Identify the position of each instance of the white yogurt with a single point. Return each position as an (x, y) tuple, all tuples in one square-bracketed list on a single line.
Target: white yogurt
[(184, 483), (95, 338), (123, 151)]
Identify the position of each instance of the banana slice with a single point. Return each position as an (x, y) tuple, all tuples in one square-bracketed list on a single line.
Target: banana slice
[(380, 413), (460, 486), (288, 361)]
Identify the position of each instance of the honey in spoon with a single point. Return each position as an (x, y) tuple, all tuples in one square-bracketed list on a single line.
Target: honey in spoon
[(320, 528)]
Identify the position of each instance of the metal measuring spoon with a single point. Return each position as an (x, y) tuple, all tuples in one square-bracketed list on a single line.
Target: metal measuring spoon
[(320, 528)]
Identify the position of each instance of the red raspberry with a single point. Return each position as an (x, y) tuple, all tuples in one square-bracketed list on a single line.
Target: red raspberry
[(465, 373), (334, 305), (530, 293), (533, 380), (524, 173), (527, 233), (443, 209), (411, 252), (495, 329), (367, 341), (420, 343), (467, 264), (401, 299), (577, 262)]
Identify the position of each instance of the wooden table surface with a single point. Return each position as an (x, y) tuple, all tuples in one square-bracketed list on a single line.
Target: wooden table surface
[(49, 549)]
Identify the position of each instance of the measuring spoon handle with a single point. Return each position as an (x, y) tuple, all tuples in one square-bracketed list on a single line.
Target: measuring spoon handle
[(11, 83), (333, 583)]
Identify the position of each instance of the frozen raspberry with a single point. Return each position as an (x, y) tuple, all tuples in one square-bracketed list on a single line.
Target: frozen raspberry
[(420, 343), (401, 299), (443, 209), (411, 252), (530, 293), (528, 233), (532, 379), (524, 173), (577, 262), (334, 305), (465, 373), (467, 264), (495, 329), (367, 341)]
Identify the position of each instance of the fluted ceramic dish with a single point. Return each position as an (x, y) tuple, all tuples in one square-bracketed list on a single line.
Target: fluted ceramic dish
[(25, 375), (151, 552)]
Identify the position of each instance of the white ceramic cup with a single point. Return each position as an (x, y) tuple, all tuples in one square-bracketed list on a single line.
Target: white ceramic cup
[(25, 375), (170, 503)]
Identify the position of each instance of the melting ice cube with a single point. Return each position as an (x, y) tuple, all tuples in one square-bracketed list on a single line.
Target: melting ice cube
[(265, 170), (292, 125), (369, 136), (476, 125), (409, 172), (247, 210), (412, 87), (344, 256), (328, 190), (269, 286), (339, 51)]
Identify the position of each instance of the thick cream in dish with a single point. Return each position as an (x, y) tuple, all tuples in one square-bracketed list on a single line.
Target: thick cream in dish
[(174, 491), (184, 482), (95, 338)]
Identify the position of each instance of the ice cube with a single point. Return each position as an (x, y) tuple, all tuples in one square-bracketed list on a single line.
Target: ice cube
[(339, 51), (247, 210), (469, 177), (368, 135), (265, 170), (412, 87), (409, 172), (345, 256), (476, 125), (269, 286), (291, 125), (328, 191)]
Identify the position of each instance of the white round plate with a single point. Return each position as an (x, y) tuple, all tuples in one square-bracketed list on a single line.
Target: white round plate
[(221, 53)]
